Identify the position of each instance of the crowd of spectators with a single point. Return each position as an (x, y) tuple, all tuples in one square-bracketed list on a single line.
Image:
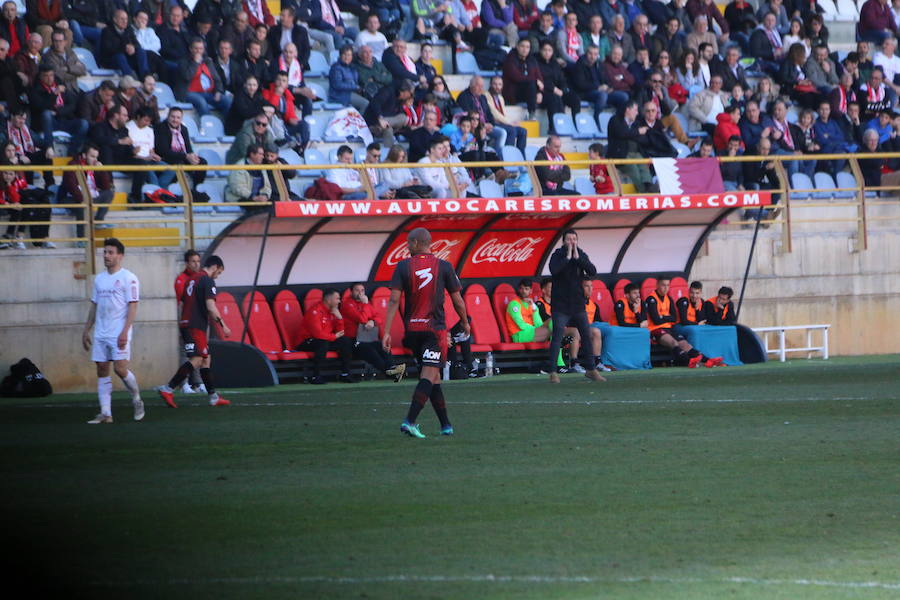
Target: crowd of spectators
[(754, 81)]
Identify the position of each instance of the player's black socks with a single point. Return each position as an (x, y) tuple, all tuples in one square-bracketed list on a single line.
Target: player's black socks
[(183, 372), (420, 397), (206, 375), (693, 352), (681, 357), (439, 405)]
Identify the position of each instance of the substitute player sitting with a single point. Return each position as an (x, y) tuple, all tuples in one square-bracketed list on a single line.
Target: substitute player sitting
[(114, 304), (198, 307), (323, 330), (523, 320), (720, 308), (691, 310), (660, 319), (630, 310), (361, 328), (423, 278), (593, 316)]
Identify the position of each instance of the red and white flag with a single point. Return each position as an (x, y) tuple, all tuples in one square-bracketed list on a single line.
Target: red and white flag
[(688, 175)]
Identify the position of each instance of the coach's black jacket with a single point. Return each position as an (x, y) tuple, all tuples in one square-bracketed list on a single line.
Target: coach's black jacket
[(568, 273)]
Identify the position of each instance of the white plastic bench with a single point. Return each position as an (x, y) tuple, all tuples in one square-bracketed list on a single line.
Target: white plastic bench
[(782, 348)]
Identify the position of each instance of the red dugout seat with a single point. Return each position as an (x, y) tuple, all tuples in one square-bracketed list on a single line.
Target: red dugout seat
[(288, 318), (313, 296), (262, 329), (450, 316), (619, 290), (678, 288), (603, 299), (379, 300), (228, 308), (484, 324), (648, 287), (503, 295)]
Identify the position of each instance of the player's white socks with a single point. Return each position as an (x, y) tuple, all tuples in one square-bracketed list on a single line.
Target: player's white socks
[(104, 392), (213, 398), (132, 385)]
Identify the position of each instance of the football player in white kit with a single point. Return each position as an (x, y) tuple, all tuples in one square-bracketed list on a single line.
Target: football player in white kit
[(113, 310)]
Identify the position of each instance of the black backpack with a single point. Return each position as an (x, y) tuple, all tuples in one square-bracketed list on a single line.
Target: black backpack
[(25, 381)]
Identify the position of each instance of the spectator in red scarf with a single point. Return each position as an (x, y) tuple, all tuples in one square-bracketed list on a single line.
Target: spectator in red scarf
[(279, 96), (289, 62), (53, 106), (99, 183), (553, 177), (29, 58), (12, 28), (93, 106), (28, 151), (258, 12), (199, 83)]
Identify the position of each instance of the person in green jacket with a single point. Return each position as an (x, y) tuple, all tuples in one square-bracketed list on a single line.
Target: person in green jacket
[(373, 75), (524, 321)]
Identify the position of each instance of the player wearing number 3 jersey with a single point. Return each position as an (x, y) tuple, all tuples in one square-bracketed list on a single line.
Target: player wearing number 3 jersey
[(422, 279)]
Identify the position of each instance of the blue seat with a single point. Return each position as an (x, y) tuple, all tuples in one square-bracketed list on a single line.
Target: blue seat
[(792, 115), (213, 158), (166, 97), (683, 151), (584, 186), (467, 65), (290, 155), (846, 180), (800, 182), (826, 185), (90, 63), (317, 122), (314, 157), (318, 65), (531, 151), (191, 125), (85, 86), (490, 189), (603, 122), (512, 154), (211, 128), (214, 189), (586, 126), (563, 125), (359, 155)]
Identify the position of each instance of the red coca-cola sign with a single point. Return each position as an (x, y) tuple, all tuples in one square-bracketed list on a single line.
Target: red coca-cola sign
[(446, 245), (506, 254)]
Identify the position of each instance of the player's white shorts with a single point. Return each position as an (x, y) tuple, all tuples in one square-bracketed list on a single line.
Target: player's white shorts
[(107, 349)]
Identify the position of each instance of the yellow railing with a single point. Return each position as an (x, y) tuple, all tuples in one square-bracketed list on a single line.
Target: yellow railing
[(779, 214)]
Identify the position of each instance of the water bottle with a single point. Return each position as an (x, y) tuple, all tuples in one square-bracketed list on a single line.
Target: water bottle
[(489, 364)]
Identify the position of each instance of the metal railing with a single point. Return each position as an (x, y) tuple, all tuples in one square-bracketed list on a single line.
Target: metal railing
[(779, 214), (783, 348)]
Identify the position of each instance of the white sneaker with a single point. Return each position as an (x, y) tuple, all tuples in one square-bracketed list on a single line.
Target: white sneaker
[(19, 245), (101, 419), (187, 389), (138, 409), (578, 368), (49, 246), (200, 389)]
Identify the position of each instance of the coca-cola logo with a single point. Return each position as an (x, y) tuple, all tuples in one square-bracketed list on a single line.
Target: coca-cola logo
[(440, 248), (516, 251)]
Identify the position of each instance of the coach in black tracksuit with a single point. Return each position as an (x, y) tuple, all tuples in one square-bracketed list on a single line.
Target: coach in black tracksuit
[(569, 266)]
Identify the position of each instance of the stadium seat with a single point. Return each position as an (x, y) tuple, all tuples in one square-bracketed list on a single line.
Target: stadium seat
[(359, 155), (586, 126), (318, 65), (603, 122), (531, 151), (563, 125), (191, 125), (502, 296), (826, 185), (601, 296), (228, 308), (800, 184), (683, 151), (379, 300), (847, 10), (214, 189), (290, 155), (846, 180), (313, 156), (312, 297), (584, 186), (678, 288), (450, 316), (619, 289), (512, 154), (166, 97), (317, 122), (490, 189), (213, 158), (484, 323), (467, 65), (262, 329), (90, 63), (647, 287), (792, 115), (288, 318), (212, 129), (85, 86)]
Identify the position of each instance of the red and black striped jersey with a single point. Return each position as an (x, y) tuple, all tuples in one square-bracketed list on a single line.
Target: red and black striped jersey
[(200, 288)]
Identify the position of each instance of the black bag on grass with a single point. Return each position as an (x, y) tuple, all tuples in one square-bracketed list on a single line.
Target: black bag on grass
[(25, 381)]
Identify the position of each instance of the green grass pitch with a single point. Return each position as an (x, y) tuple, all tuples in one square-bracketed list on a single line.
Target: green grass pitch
[(766, 481)]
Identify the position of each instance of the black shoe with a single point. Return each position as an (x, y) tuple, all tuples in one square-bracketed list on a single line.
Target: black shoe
[(348, 379), (316, 381)]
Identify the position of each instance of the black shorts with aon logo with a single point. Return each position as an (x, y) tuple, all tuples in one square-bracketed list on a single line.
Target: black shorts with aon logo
[(429, 347)]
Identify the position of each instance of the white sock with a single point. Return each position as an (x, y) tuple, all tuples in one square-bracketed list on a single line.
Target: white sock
[(132, 385), (213, 398), (104, 392)]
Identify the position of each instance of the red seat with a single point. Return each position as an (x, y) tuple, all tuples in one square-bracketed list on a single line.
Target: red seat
[(503, 295), (603, 299), (648, 287), (228, 308), (289, 319), (313, 296), (450, 316), (262, 329), (379, 302), (678, 288), (484, 323), (619, 290)]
